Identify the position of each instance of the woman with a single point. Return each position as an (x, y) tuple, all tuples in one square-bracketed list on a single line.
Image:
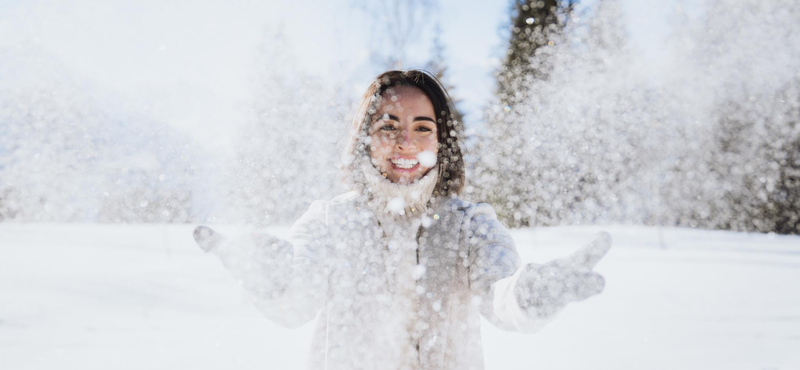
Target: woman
[(399, 270)]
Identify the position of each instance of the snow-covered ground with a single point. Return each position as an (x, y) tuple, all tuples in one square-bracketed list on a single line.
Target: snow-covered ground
[(145, 297)]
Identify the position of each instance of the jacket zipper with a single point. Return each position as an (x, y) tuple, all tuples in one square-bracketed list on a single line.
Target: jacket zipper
[(419, 231)]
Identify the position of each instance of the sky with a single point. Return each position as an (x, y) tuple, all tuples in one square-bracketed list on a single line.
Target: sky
[(187, 64)]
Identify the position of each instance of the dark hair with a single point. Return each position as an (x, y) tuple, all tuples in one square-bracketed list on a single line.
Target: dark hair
[(449, 159)]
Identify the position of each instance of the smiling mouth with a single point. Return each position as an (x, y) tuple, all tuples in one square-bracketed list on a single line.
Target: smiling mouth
[(404, 164)]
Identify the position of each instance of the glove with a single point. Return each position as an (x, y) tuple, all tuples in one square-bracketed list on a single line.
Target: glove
[(543, 290), (259, 262), (208, 239), (257, 248)]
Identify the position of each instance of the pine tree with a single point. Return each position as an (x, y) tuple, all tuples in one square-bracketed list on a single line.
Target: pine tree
[(745, 177), (501, 174), (535, 26), (287, 152), (437, 65)]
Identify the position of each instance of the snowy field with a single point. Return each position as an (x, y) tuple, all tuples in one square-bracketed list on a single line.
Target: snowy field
[(145, 297)]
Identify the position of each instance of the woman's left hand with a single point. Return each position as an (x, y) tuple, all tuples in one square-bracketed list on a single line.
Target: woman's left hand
[(208, 239), (543, 290)]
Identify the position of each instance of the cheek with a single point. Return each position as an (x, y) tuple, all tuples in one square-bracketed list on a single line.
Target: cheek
[(430, 144), (379, 146)]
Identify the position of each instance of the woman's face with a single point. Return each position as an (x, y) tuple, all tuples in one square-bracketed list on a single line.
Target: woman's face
[(403, 139)]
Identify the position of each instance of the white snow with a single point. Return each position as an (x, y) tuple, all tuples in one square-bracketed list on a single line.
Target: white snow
[(396, 205), (146, 297), (427, 158)]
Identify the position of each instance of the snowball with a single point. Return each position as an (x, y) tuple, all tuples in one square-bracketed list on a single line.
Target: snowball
[(427, 158), (426, 222), (396, 205), (419, 271)]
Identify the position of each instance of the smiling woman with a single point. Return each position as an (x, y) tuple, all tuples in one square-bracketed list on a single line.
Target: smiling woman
[(404, 129), (399, 270), (406, 116)]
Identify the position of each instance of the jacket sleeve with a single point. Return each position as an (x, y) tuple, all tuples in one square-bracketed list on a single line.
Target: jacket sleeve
[(285, 279), (494, 269)]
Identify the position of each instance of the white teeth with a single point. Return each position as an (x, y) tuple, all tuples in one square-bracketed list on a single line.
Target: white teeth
[(404, 163)]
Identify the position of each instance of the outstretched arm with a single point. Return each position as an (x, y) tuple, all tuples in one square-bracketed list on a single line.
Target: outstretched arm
[(285, 279), (536, 293), (525, 298)]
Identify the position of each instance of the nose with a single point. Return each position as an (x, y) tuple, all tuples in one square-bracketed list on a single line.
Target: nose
[(405, 141)]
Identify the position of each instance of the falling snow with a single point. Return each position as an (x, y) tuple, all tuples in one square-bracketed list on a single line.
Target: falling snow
[(684, 155)]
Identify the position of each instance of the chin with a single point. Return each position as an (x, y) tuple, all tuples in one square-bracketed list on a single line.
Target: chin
[(408, 179)]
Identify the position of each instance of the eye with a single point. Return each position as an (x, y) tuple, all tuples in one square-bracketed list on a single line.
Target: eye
[(387, 127), (424, 129)]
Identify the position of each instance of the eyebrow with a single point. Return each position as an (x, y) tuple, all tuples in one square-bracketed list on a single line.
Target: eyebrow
[(420, 118)]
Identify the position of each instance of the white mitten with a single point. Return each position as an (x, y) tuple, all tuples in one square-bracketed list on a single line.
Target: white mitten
[(260, 262), (543, 290), (208, 239), (264, 247)]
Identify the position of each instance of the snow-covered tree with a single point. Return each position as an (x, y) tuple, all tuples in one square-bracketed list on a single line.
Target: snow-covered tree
[(438, 66), (68, 155), (288, 153), (524, 151), (745, 57), (702, 137)]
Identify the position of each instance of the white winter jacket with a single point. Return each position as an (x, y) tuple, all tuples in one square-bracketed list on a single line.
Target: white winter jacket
[(331, 268)]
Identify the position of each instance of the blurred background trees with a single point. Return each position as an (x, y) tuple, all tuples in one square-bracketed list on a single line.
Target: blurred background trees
[(287, 153), (67, 155), (581, 128)]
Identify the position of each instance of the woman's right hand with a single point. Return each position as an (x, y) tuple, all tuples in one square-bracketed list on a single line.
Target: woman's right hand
[(264, 247), (289, 290)]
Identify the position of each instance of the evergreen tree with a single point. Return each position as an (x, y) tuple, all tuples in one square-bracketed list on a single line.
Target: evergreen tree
[(501, 175), (535, 26), (755, 164), (437, 65), (66, 154), (743, 176), (287, 153)]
